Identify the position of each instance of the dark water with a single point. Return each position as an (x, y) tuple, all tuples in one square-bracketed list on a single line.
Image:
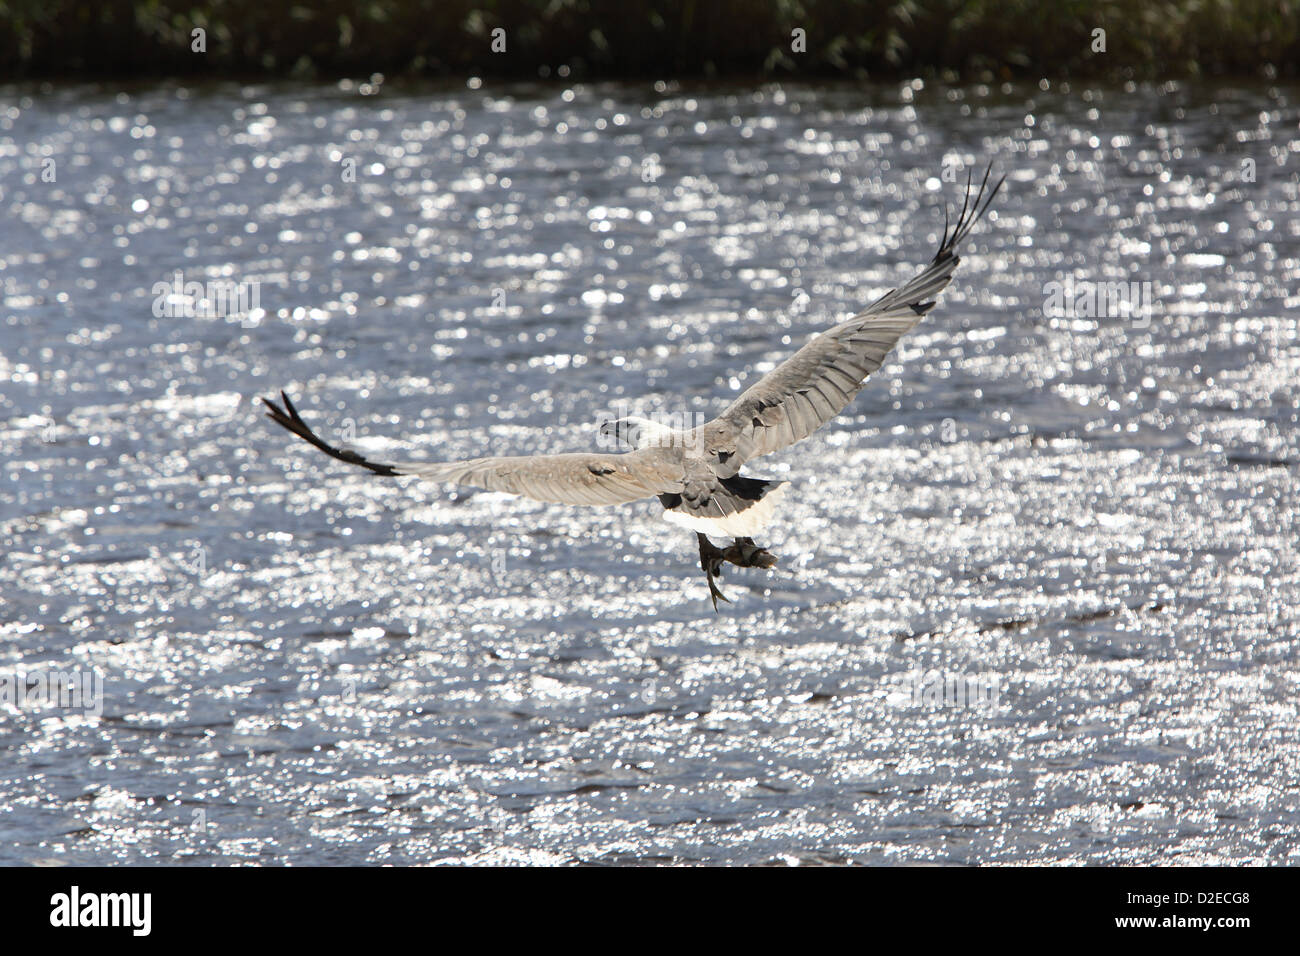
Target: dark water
[(1089, 518)]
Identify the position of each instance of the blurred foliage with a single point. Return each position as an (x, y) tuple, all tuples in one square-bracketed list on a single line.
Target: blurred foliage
[(989, 39)]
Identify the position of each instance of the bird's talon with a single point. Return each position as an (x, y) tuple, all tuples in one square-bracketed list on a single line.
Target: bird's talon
[(715, 595)]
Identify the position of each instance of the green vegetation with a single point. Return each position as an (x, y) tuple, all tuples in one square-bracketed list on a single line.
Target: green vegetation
[(968, 38)]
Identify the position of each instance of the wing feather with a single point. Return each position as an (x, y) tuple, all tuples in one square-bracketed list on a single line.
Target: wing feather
[(816, 383), (577, 478)]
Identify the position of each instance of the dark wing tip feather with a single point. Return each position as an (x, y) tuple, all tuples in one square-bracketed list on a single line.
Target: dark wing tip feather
[(971, 213), (288, 418)]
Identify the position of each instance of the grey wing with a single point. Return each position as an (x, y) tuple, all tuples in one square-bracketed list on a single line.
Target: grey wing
[(570, 479), (817, 382), (575, 479)]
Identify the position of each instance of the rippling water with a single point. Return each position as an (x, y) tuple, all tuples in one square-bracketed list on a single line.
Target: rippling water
[(1088, 519)]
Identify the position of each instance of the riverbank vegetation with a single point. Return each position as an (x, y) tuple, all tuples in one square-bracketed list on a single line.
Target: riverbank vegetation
[(971, 39)]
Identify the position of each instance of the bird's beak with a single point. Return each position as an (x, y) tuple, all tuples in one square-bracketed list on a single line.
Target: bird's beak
[(608, 428)]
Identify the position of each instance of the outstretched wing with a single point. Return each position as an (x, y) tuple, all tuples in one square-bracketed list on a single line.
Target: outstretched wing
[(576, 479), (813, 385)]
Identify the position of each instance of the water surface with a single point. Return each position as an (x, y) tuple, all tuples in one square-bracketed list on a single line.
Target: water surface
[(1092, 516)]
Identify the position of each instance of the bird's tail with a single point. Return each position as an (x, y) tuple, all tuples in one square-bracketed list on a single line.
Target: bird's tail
[(736, 507)]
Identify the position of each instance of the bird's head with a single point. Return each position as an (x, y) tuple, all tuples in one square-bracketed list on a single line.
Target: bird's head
[(637, 432)]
